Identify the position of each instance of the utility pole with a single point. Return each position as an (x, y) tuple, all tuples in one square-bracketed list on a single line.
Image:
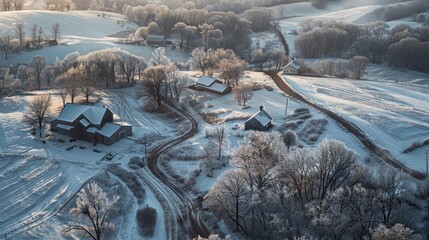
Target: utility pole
[(427, 163), (287, 102), (145, 146)]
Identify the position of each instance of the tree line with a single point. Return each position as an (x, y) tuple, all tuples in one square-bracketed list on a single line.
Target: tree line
[(402, 46), (276, 193)]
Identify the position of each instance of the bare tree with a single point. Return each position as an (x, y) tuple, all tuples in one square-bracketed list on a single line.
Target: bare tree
[(38, 108), (152, 85), (72, 82), (38, 63), (18, 4), (5, 82), (359, 64), (61, 88), (260, 57), (93, 209), (231, 196), (242, 93), (219, 137), (208, 160), (20, 32), (5, 45), (178, 84), (55, 31), (205, 34), (34, 33), (39, 37), (88, 84), (128, 65)]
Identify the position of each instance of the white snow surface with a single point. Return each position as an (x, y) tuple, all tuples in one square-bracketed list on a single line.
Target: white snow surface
[(393, 114)]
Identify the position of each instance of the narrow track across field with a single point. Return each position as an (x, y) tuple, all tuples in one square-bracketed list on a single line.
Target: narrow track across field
[(190, 219)]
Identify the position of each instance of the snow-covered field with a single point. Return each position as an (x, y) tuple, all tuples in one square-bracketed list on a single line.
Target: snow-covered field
[(81, 31), (393, 114), (39, 179)]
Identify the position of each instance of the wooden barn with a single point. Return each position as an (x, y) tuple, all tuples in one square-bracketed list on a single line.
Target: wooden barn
[(260, 121), (293, 68), (210, 84), (156, 40), (91, 124)]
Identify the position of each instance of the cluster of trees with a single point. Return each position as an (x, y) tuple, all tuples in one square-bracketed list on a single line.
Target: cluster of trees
[(273, 193), (352, 68), (11, 5), (229, 30), (402, 46), (75, 74), (160, 81), (401, 10), (13, 43)]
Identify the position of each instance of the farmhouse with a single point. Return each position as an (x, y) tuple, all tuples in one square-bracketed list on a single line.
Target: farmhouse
[(212, 85), (260, 121), (292, 68), (156, 40), (89, 123)]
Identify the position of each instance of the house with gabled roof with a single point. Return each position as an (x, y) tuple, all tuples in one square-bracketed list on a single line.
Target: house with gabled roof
[(260, 121), (210, 84), (293, 67), (90, 123)]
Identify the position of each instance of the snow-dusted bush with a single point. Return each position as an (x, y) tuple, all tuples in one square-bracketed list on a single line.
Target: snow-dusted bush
[(312, 130), (136, 163), (416, 145), (130, 179), (146, 220)]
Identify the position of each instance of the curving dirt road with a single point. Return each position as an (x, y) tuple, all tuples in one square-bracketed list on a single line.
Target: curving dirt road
[(353, 129), (190, 219)]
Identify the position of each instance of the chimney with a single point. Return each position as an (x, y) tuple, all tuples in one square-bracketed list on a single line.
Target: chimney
[(261, 108)]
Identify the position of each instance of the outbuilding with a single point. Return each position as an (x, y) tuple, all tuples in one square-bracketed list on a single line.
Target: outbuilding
[(260, 121)]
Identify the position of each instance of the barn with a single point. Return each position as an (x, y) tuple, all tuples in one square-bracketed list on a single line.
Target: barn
[(210, 84), (156, 40), (260, 121), (90, 123), (293, 68)]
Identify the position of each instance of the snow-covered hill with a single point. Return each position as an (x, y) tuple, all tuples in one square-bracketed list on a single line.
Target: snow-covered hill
[(81, 31)]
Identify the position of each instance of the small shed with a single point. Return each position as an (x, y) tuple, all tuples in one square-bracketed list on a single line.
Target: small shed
[(292, 68), (156, 40), (260, 121)]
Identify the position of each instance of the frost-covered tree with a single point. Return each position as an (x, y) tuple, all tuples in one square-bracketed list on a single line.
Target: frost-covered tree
[(180, 27), (258, 158), (159, 57), (38, 108), (242, 94), (232, 69), (198, 60), (213, 237), (359, 64), (93, 211), (397, 232), (48, 75), (128, 64)]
